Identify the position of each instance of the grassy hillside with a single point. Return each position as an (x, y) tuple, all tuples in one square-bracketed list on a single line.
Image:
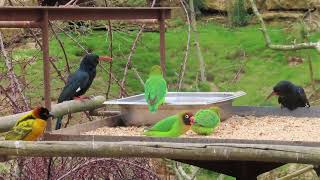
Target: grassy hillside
[(225, 51)]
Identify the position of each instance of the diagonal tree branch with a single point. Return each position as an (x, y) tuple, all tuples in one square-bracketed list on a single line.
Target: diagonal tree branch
[(308, 45), (133, 48), (186, 55)]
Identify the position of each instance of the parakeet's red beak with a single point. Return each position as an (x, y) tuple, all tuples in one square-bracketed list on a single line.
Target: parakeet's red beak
[(192, 120), (272, 94), (105, 58)]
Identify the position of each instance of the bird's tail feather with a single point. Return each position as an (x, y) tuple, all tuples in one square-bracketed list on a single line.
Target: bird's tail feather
[(58, 123), (152, 108)]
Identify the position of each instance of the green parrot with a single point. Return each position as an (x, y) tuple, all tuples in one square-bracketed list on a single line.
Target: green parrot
[(206, 121), (172, 126), (155, 89)]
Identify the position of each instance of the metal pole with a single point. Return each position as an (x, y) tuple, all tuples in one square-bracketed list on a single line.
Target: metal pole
[(46, 64), (162, 42)]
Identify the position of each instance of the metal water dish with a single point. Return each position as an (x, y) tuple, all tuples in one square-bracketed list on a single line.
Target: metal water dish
[(135, 109)]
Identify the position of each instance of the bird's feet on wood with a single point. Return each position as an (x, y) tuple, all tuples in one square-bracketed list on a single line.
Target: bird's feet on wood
[(81, 98)]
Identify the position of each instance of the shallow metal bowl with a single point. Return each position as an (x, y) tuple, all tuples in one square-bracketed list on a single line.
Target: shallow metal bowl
[(135, 109)]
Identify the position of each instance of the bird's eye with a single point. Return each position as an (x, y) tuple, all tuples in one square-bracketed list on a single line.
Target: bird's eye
[(186, 116)]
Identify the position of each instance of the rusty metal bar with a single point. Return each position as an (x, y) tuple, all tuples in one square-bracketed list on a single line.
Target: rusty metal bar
[(20, 24), (78, 13), (46, 63), (162, 42)]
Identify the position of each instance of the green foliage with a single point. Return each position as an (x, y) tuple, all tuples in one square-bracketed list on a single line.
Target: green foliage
[(198, 6), (204, 87), (239, 14)]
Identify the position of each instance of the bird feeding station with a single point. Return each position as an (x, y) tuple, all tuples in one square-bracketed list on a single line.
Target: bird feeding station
[(243, 158), (39, 17), (238, 157)]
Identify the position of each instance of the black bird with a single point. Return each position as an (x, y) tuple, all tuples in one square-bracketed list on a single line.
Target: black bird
[(79, 82), (290, 95)]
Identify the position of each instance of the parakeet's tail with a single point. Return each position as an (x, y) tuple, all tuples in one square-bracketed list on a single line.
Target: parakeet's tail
[(152, 108), (58, 123), (216, 109)]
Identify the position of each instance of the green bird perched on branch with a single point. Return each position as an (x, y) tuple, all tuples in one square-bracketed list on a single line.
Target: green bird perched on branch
[(155, 89), (206, 121), (172, 126)]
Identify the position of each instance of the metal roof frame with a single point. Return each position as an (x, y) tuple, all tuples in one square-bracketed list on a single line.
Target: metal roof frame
[(39, 17)]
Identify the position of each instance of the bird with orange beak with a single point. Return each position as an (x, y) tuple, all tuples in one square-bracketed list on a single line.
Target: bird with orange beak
[(79, 82), (289, 95)]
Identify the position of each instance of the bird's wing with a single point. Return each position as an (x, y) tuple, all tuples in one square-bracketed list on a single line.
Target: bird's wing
[(75, 83), (206, 118), (303, 96), (21, 130), (155, 90), (165, 124)]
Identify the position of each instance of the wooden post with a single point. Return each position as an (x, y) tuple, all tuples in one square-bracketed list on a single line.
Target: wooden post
[(46, 63)]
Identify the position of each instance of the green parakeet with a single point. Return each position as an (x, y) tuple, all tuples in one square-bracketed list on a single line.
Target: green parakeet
[(155, 89), (206, 121), (172, 126)]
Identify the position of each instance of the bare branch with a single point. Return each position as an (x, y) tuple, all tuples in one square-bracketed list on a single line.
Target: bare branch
[(57, 70), (84, 49), (309, 45), (14, 80), (133, 48), (12, 101), (138, 75), (183, 65), (116, 80), (109, 28), (196, 41), (62, 47)]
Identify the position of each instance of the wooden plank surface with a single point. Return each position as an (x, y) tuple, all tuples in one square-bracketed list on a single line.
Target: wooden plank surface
[(275, 111), (111, 121)]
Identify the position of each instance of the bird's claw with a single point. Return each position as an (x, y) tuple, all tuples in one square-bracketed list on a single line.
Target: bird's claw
[(81, 98)]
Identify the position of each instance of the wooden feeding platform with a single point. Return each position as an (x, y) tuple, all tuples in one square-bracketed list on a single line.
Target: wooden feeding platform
[(227, 151), (251, 141)]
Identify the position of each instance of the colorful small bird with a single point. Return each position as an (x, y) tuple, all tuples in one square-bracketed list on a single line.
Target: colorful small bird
[(172, 126), (80, 81), (155, 89), (290, 95), (30, 126), (205, 121)]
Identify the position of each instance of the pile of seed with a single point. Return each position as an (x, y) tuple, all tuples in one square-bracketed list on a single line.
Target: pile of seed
[(249, 127)]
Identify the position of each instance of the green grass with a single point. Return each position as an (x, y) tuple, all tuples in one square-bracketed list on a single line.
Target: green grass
[(224, 50)]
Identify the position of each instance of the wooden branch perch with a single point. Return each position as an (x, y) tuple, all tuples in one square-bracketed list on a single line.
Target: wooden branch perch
[(296, 173), (309, 45), (171, 150), (58, 110)]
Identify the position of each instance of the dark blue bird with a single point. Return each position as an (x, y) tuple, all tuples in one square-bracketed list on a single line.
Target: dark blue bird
[(79, 82), (290, 95)]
